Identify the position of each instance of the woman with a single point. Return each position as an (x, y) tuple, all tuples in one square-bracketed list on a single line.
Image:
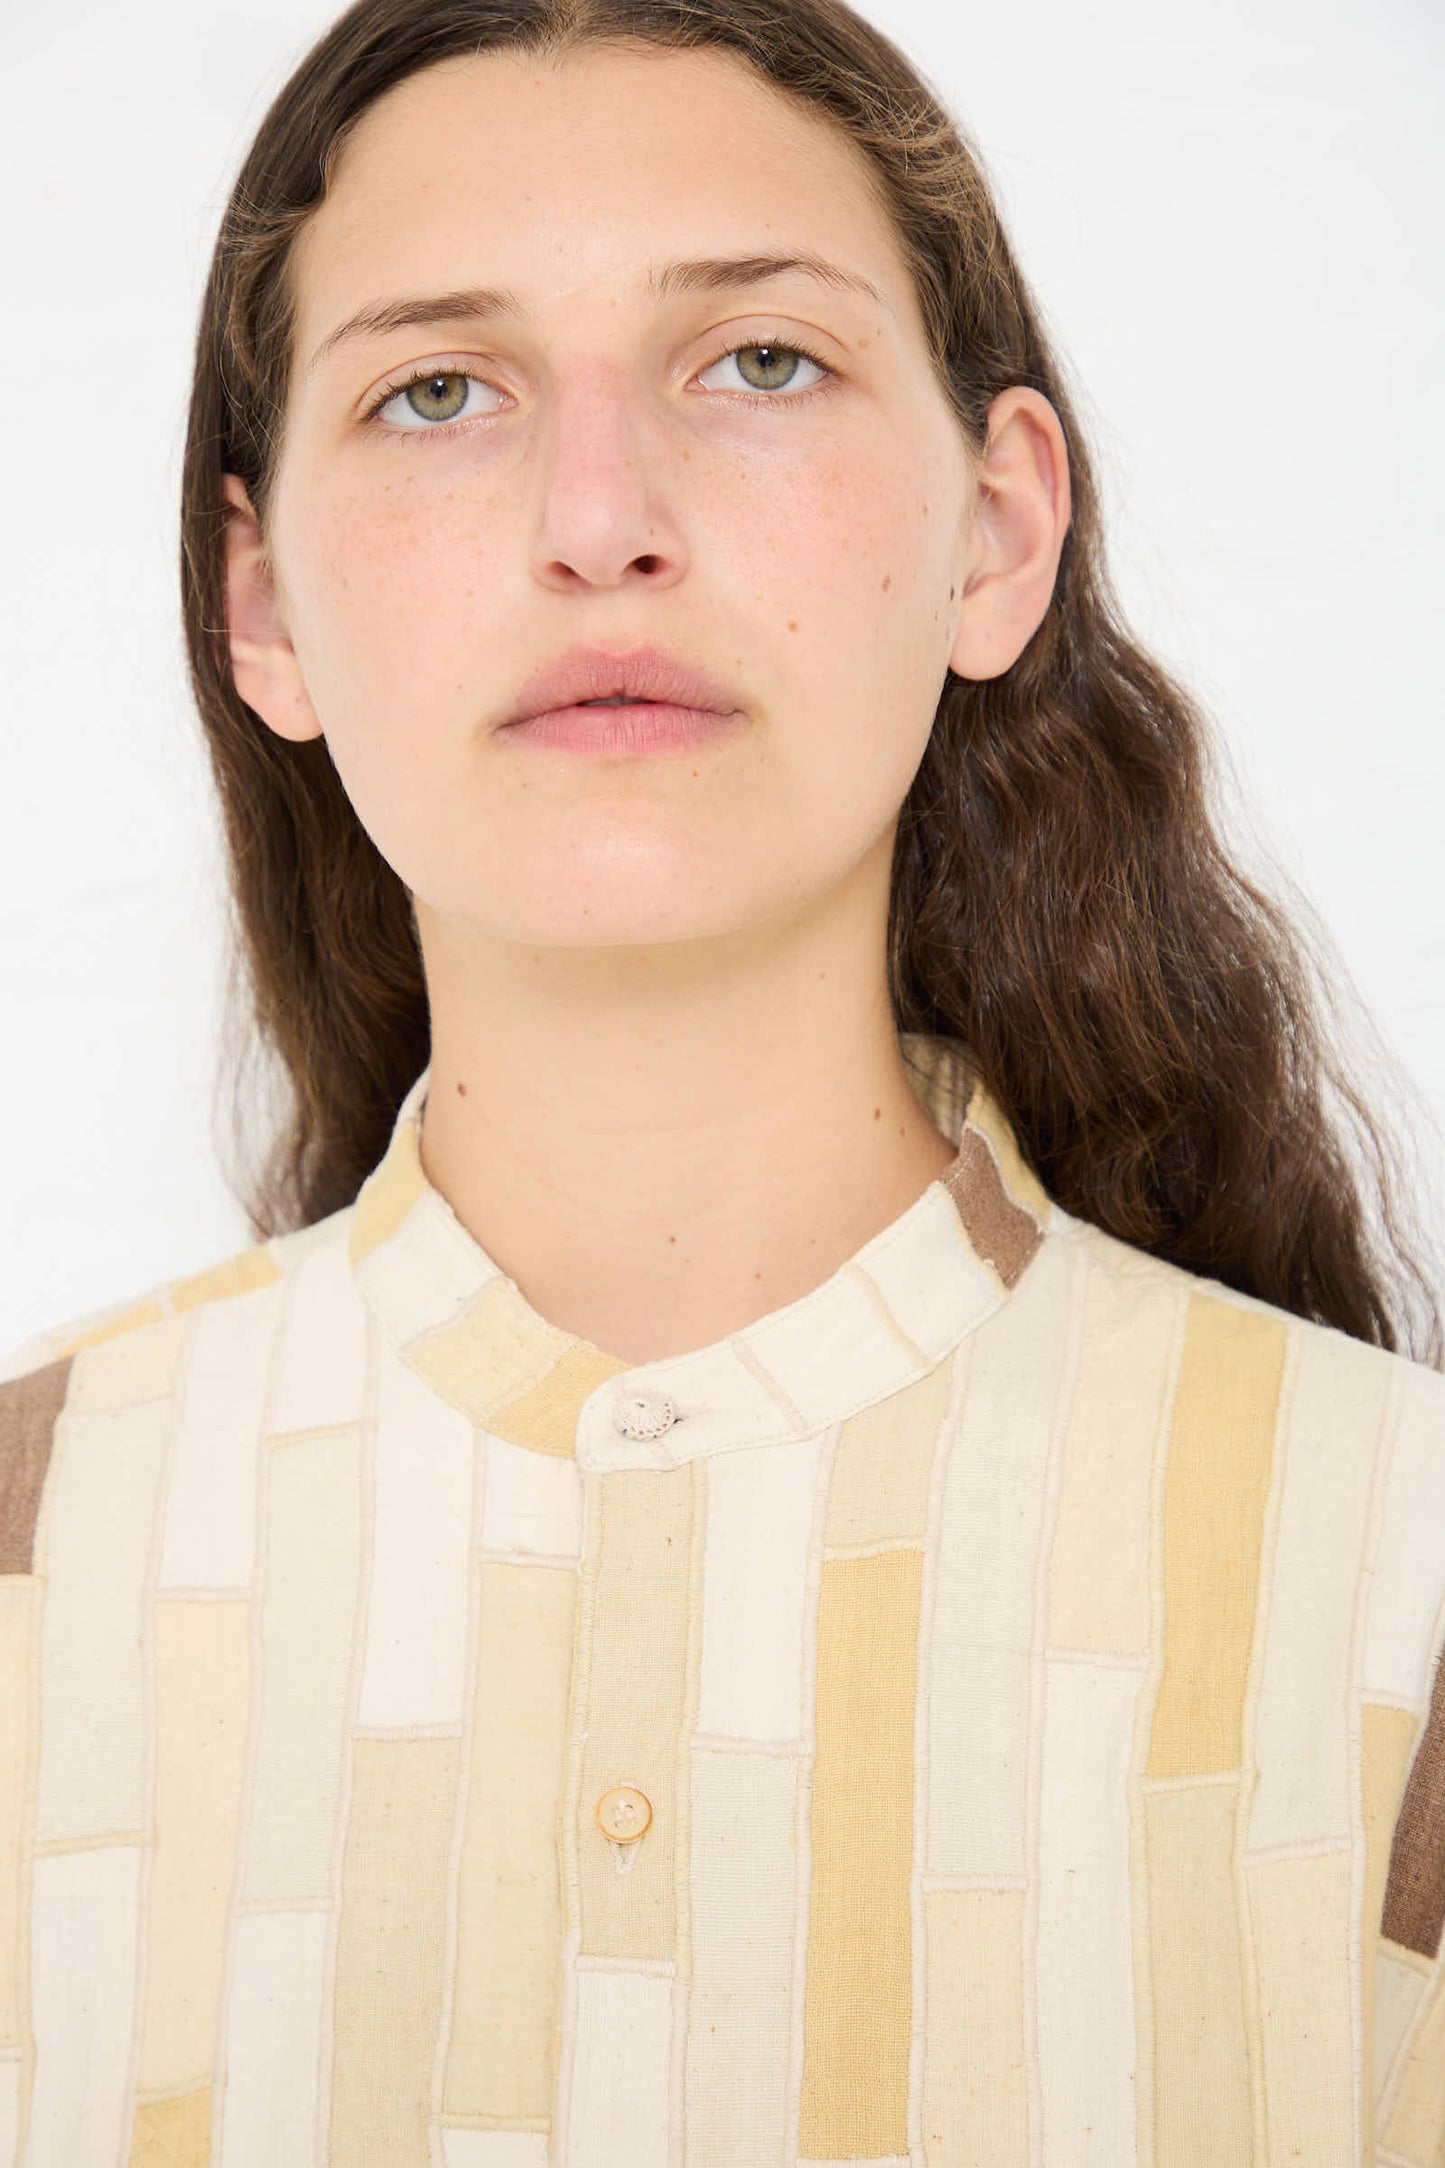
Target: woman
[(809, 1533)]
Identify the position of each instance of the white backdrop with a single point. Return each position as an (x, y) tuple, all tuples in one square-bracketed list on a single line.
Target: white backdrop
[(1231, 217)]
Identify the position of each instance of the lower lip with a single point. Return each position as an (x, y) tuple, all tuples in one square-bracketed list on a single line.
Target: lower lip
[(647, 726)]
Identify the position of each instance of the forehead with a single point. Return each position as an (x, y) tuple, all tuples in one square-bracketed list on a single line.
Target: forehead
[(567, 178)]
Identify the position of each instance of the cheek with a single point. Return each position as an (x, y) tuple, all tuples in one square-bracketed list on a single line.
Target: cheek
[(866, 528), (396, 606), (392, 611), (404, 579), (867, 544)]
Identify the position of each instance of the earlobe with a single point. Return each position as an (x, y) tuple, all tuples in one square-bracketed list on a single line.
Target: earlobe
[(264, 668), (1020, 521)]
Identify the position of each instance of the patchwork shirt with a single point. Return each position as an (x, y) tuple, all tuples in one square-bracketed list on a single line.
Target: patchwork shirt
[(988, 1712)]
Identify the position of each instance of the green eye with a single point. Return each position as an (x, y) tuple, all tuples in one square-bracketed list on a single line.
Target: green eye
[(433, 395)]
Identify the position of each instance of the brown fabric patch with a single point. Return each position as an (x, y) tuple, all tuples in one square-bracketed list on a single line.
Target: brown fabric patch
[(1000, 1230), (29, 1407), (1414, 1908)]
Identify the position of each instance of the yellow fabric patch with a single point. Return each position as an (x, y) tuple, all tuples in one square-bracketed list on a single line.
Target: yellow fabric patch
[(1221, 1448), (388, 1195), (173, 2133)]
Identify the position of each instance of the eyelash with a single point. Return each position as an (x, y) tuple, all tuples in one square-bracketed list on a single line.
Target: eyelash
[(753, 398)]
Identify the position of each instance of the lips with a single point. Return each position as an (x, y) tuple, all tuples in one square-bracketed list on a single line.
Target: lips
[(639, 673)]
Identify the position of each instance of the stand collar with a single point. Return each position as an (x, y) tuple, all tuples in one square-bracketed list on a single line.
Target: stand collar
[(889, 1314)]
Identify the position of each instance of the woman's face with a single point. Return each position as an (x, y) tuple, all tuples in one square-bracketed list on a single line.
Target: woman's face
[(607, 479)]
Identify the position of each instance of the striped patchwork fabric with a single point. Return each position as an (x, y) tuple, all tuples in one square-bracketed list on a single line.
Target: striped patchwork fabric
[(988, 1712)]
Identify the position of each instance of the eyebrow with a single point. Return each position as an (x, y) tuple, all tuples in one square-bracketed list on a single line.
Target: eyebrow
[(686, 275)]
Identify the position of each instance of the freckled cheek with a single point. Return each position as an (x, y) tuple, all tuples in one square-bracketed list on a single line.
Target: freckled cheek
[(852, 519), (394, 581)]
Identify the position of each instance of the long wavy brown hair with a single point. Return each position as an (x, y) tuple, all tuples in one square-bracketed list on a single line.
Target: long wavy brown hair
[(1158, 1031)]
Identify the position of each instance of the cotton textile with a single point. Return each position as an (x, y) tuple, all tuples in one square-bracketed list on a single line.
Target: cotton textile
[(1028, 1653)]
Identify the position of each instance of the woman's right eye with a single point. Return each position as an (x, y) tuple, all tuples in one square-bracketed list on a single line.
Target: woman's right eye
[(437, 389)]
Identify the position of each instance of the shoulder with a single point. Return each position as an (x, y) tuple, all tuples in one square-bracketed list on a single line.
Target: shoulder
[(1291, 1467), (137, 1314), (1119, 1262), (1222, 1347), (121, 1363)]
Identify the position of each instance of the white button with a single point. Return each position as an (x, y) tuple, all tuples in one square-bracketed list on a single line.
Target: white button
[(624, 1813), (643, 1415)]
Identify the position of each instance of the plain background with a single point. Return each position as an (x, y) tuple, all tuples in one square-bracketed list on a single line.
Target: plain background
[(1231, 219)]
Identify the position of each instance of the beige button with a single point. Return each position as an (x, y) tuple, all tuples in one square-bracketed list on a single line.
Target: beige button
[(623, 1813)]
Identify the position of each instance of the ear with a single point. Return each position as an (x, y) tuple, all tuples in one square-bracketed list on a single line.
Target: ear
[(1017, 536), (264, 668)]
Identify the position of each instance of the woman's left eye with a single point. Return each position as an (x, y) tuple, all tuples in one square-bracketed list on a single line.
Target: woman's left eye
[(768, 369), (430, 396)]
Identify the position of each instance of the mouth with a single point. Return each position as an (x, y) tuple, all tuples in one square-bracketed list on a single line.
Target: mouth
[(622, 729), (593, 679)]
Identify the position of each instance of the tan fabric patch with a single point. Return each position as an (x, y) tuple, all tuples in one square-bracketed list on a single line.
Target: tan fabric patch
[(638, 1570), (29, 1407), (1300, 1919), (1387, 1739), (883, 1465), (201, 1669), (975, 2065), (391, 1949), (1002, 1232), (1414, 1903), (1203, 2111), (502, 2054), (309, 1618)]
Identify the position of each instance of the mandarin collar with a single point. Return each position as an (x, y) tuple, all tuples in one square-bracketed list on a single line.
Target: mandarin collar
[(887, 1316)]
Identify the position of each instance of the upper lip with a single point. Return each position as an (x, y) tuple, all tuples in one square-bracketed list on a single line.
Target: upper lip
[(596, 673)]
